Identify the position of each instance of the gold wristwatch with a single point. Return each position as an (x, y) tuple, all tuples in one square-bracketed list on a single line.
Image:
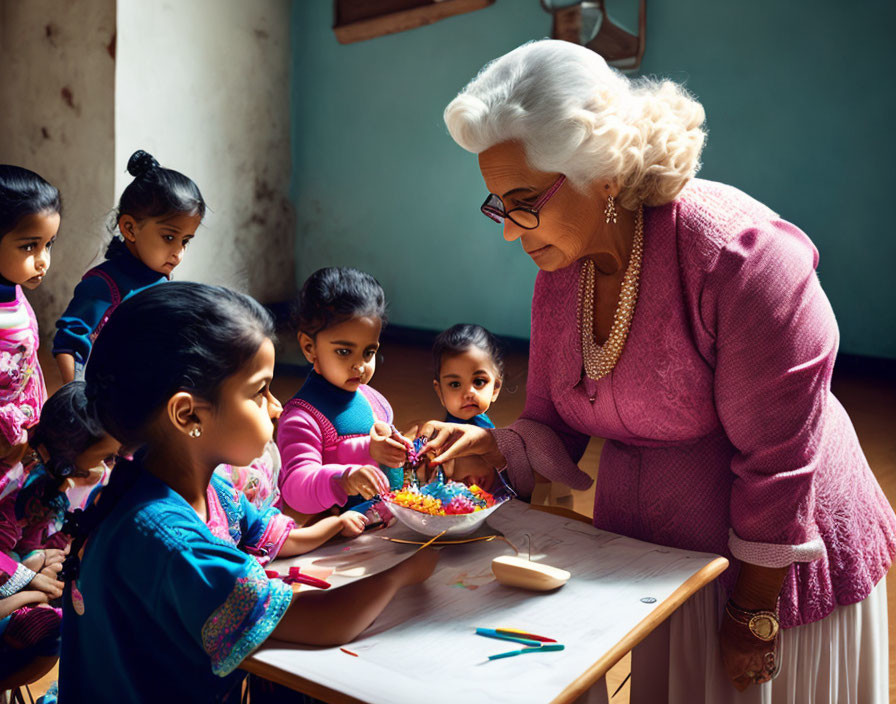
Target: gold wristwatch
[(762, 624)]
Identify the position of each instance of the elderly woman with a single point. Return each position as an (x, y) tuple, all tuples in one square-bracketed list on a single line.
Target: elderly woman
[(682, 321)]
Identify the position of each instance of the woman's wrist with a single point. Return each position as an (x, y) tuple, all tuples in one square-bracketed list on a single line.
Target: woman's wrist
[(757, 587), (492, 454)]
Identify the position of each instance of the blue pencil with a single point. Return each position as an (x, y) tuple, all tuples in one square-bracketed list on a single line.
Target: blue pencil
[(542, 648)]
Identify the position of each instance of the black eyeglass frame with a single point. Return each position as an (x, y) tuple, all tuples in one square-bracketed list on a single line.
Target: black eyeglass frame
[(493, 207)]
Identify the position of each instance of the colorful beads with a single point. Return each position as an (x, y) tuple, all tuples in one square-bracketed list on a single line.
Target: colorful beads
[(442, 499)]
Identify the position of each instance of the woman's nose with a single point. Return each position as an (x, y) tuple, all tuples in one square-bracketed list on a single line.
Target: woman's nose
[(512, 231)]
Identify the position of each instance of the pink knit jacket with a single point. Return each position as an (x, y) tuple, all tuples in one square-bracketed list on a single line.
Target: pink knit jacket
[(722, 432)]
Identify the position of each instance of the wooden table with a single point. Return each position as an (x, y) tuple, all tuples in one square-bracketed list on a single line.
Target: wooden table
[(620, 592)]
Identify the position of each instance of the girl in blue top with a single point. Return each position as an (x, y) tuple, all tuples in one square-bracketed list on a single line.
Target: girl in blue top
[(157, 607), (157, 216)]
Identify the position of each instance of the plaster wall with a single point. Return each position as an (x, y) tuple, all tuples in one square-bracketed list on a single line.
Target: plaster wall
[(57, 83), (204, 87)]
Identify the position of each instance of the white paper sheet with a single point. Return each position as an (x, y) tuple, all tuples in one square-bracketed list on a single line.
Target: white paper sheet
[(423, 646)]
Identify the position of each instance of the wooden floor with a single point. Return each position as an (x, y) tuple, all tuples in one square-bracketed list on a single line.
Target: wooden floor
[(403, 376)]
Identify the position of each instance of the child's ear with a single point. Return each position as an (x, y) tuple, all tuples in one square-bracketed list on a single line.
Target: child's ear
[(127, 226), (497, 390), (438, 387), (309, 349), (185, 413)]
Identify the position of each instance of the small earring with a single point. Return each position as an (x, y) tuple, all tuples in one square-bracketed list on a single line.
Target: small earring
[(610, 210), (196, 432)]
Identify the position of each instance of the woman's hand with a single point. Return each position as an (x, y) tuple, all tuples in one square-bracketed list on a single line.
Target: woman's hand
[(353, 524), (367, 481), (746, 658), (446, 441), (387, 447)]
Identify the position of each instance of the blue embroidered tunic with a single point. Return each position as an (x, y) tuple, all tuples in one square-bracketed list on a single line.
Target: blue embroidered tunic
[(163, 610), (99, 293)]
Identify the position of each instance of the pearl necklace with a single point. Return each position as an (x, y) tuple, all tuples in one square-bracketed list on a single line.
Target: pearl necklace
[(599, 360)]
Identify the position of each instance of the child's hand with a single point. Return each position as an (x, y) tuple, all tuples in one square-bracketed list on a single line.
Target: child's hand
[(353, 523), (387, 446), (367, 481), (50, 586), (47, 562), (11, 454)]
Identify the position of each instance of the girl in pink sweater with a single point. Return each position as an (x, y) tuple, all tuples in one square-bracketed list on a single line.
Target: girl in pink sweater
[(328, 449)]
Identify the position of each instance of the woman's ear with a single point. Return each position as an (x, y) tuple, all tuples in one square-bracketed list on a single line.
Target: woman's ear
[(602, 189), (309, 349), (127, 226), (186, 413), (438, 387)]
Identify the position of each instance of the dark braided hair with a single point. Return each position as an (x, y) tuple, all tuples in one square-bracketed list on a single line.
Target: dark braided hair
[(182, 336), (334, 295), (461, 337), (65, 430), (157, 191)]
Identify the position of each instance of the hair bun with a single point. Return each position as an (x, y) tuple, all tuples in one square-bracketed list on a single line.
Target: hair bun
[(141, 162)]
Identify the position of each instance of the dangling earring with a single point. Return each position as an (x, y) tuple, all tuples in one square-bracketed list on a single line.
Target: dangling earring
[(610, 210), (196, 432)]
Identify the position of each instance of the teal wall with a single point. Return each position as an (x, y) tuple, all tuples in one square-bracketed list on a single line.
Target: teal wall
[(798, 98)]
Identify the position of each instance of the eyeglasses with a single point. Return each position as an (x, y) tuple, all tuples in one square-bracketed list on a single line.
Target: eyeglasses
[(525, 217)]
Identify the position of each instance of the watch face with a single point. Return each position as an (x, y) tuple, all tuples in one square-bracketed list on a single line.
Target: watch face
[(763, 627)]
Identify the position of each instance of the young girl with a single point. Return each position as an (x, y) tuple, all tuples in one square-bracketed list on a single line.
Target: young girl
[(71, 458), (327, 436), (157, 216), (183, 372), (29, 221), (468, 370)]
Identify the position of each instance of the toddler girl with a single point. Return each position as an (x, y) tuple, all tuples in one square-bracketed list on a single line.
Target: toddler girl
[(183, 372), (468, 370), (158, 214), (70, 459), (29, 221), (327, 436)]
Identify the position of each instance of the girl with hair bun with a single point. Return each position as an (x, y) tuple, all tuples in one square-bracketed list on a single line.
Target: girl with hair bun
[(683, 322), (157, 217)]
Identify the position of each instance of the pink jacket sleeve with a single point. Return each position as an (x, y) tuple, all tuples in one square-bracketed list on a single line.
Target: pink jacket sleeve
[(776, 339), (540, 440), (307, 484)]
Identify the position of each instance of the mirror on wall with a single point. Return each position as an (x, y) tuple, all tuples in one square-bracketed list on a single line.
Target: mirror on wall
[(591, 24)]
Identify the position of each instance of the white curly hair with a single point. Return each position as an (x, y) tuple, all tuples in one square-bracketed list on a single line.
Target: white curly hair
[(577, 116)]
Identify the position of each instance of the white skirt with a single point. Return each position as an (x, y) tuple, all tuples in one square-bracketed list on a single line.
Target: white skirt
[(842, 659)]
